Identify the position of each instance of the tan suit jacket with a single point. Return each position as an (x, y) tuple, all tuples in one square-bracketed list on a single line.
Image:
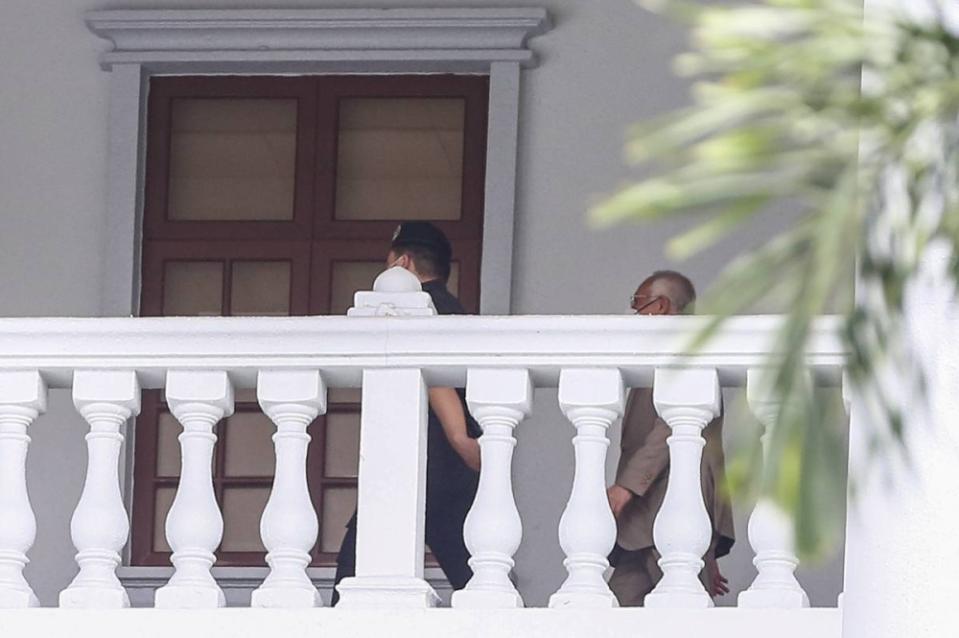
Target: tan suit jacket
[(643, 471)]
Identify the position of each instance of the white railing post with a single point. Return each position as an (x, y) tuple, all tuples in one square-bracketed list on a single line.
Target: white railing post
[(23, 397), (499, 400), (99, 528), (194, 526), (392, 495), (770, 527), (592, 399), (391, 488), (902, 524), (289, 526), (687, 400), (846, 391)]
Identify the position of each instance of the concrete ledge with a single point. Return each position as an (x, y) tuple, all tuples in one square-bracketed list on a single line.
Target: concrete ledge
[(529, 623)]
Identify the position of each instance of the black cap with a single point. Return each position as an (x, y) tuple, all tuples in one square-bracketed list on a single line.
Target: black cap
[(423, 234)]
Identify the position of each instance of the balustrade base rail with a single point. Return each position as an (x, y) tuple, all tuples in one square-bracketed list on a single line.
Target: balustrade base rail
[(238, 583), (489, 623)]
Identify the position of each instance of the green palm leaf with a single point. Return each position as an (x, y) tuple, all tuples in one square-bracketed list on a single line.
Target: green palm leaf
[(853, 121)]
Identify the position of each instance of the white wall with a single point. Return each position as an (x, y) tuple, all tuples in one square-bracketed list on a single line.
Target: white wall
[(604, 66)]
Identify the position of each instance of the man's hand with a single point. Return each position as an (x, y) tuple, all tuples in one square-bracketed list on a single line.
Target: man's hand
[(469, 450), (619, 497), (716, 583)]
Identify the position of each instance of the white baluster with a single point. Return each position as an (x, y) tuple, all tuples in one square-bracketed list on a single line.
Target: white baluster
[(687, 400), (392, 495), (194, 526), (99, 529), (23, 397), (771, 530), (592, 399), (289, 528), (499, 400)]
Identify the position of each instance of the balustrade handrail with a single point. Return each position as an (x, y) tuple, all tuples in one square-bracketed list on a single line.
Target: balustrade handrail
[(443, 347), (292, 361)]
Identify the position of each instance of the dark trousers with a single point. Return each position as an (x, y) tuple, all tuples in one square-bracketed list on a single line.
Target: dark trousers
[(444, 535)]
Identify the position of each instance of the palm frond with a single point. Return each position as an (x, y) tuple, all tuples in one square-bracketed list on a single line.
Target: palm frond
[(854, 121)]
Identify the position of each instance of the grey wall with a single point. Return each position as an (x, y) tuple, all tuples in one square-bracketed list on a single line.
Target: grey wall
[(604, 66), (52, 162)]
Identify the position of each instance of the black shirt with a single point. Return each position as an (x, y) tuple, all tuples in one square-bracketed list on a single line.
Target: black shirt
[(447, 476)]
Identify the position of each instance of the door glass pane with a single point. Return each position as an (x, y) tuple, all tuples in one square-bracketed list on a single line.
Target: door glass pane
[(260, 288), (192, 288), (249, 446), (349, 277), (168, 446), (352, 276), (339, 503), (232, 159), (161, 506), (400, 158), (342, 444), (344, 395), (242, 510), (244, 395)]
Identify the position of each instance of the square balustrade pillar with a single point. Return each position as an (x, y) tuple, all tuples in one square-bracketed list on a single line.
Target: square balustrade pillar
[(392, 495)]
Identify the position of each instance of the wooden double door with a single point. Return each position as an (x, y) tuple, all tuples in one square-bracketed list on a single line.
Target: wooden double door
[(273, 196)]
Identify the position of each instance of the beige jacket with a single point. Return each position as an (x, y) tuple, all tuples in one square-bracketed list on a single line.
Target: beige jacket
[(643, 471)]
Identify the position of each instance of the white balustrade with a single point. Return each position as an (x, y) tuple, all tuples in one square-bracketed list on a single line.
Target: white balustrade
[(770, 527), (391, 488), (592, 399), (498, 400), (687, 400), (194, 525), (23, 397), (393, 357), (99, 528), (292, 400)]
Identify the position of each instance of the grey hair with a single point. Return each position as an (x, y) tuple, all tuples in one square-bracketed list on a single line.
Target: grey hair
[(677, 287)]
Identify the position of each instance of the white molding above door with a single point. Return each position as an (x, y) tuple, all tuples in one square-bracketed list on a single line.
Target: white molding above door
[(372, 40)]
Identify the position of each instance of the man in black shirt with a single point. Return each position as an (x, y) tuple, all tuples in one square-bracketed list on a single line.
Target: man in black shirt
[(452, 451)]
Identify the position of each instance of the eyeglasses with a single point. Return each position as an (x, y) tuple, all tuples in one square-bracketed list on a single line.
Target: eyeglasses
[(640, 302)]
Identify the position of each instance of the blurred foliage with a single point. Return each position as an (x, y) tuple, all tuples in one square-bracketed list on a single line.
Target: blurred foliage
[(852, 119)]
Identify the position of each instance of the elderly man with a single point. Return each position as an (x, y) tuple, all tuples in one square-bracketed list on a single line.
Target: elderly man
[(641, 477)]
